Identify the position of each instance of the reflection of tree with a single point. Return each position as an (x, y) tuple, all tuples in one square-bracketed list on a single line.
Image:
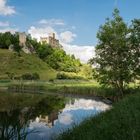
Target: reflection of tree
[(14, 124)]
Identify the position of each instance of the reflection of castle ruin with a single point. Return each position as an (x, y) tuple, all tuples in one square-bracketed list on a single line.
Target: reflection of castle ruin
[(51, 40), (48, 119)]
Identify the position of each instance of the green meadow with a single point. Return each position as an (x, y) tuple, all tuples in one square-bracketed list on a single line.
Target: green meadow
[(11, 63)]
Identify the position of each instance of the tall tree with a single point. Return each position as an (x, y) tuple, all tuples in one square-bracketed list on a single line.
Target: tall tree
[(113, 57), (135, 46)]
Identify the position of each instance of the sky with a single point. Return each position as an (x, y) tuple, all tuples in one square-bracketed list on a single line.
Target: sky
[(75, 22)]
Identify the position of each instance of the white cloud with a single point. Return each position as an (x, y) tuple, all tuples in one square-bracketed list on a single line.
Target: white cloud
[(9, 29), (52, 22), (5, 9), (84, 53), (37, 32), (67, 37), (4, 24)]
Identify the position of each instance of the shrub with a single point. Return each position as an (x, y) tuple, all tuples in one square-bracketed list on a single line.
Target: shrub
[(30, 76), (35, 76), (65, 75), (51, 80)]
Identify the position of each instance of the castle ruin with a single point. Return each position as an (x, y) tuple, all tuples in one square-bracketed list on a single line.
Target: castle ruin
[(51, 40), (22, 39)]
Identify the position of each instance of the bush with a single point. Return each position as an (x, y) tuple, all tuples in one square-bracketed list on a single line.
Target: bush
[(35, 76), (65, 75), (10, 75), (30, 76), (51, 80)]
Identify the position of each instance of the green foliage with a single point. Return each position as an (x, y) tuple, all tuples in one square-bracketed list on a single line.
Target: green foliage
[(113, 54), (68, 75), (10, 75), (55, 57), (86, 71), (6, 39), (44, 51), (17, 48), (30, 76), (59, 60), (135, 47)]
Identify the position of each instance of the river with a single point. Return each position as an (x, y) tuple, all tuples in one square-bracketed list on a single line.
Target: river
[(26, 124)]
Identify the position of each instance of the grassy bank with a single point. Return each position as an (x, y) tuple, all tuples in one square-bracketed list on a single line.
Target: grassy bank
[(10, 62), (64, 87), (122, 122)]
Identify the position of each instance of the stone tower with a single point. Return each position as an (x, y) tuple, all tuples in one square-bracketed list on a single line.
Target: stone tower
[(22, 39)]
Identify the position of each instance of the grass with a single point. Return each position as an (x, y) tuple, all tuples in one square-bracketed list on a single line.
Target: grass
[(26, 63), (74, 88), (64, 87), (122, 122)]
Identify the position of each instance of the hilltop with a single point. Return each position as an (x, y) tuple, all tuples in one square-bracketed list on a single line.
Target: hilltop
[(11, 62), (24, 57)]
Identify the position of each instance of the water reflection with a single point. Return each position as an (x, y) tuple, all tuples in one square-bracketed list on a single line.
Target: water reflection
[(74, 112), (14, 124), (15, 119), (38, 122)]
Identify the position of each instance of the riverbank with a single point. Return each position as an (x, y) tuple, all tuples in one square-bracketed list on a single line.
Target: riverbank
[(83, 88), (71, 88), (122, 122)]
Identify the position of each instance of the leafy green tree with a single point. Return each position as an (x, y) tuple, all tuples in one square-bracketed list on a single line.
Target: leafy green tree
[(44, 50), (135, 47), (59, 60), (6, 39), (86, 71), (113, 55)]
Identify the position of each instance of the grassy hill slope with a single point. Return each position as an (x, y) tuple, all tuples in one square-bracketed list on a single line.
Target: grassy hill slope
[(26, 63)]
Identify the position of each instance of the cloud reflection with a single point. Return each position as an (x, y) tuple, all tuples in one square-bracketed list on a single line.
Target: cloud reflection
[(65, 118)]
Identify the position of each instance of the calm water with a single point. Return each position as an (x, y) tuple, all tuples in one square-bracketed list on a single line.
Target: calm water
[(75, 111), (27, 124)]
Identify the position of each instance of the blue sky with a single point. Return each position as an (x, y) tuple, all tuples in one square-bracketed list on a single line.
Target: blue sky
[(75, 22)]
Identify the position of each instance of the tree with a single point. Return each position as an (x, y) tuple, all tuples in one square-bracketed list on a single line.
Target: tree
[(44, 50), (5, 40), (135, 47), (113, 55), (86, 71)]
